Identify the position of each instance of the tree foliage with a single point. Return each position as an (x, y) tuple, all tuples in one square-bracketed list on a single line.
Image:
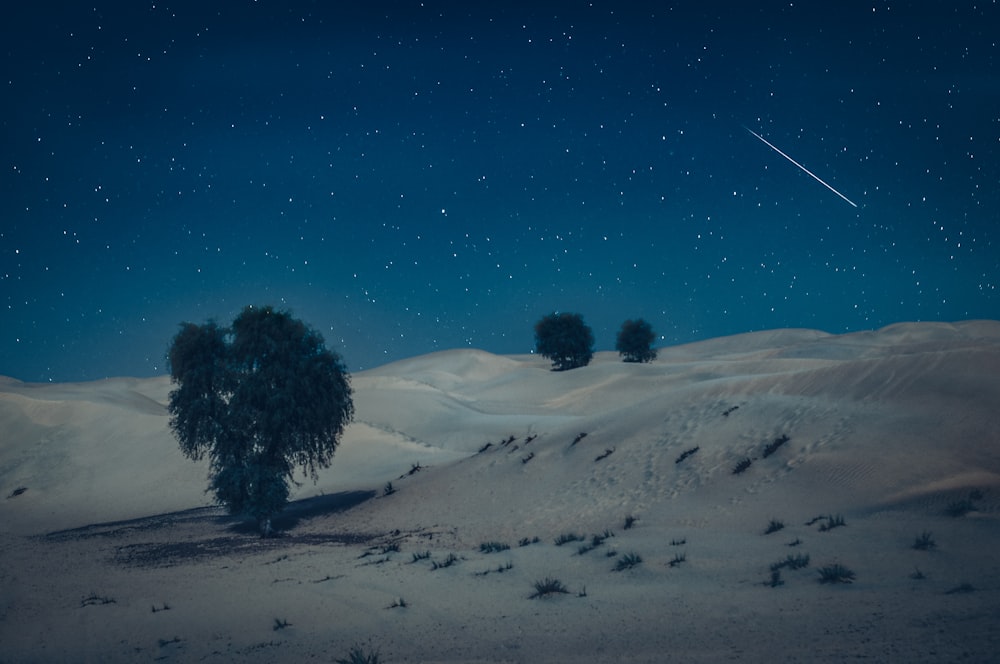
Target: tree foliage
[(565, 339), (635, 341), (260, 399)]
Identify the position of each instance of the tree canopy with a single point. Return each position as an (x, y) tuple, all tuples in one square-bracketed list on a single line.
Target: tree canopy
[(565, 339), (635, 340), (260, 399)]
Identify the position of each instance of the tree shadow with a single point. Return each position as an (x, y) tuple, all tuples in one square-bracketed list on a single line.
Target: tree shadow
[(308, 508)]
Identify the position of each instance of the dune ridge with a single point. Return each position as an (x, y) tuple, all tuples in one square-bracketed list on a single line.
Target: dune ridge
[(889, 429)]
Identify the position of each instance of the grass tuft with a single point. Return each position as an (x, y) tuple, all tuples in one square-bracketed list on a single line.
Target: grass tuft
[(678, 559), (280, 624), (448, 562), (832, 522), (358, 655), (630, 521), (548, 586), (628, 561), (566, 538), (493, 547), (774, 526), (924, 542), (836, 573), (741, 466)]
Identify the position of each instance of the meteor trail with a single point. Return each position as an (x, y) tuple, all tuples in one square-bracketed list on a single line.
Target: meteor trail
[(810, 173)]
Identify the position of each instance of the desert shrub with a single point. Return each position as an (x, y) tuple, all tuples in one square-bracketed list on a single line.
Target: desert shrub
[(835, 573), (832, 522), (635, 340), (924, 542), (960, 507), (359, 655), (678, 542), (565, 339), (448, 562), (607, 452), (493, 547), (775, 579), (417, 557), (792, 562), (524, 541), (630, 521), (548, 586), (686, 453), (580, 436), (741, 466), (773, 527), (566, 538), (388, 490), (678, 559), (773, 446), (280, 624), (961, 589), (628, 561)]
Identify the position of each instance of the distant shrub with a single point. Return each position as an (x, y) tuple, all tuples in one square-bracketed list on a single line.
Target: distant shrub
[(775, 579), (630, 521), (634, 342), (358, 655), (678, 559), (493, 547), (448, 562), (960, 507), (524, 541), (388, 490)]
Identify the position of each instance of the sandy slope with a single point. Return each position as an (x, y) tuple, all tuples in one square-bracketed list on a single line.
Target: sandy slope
[(888, 429)]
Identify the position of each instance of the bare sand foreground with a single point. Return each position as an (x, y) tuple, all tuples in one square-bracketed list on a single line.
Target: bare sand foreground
[(878, 452)]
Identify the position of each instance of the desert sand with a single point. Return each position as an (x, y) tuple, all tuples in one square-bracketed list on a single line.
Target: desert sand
[(112, 551)]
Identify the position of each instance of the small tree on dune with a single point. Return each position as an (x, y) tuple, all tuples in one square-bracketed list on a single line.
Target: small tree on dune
[(261, 399), (565, 339), (635, 340)]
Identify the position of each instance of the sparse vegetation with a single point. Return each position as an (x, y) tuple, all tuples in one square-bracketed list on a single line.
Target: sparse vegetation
[(528, 458), (729, 410), (485, 447), (17, 492), (832, 522), (678, 542), (924, 542), (794, 542), (280, 624), (493, 547), (165, 607), (961, 589), (388, 490), (566, 538), (448, 562), (678, 559), (774, 526), (917, 575), (163, 643), (97, 600), (417, 557), (580, 436), (548, 586), (741, 466), (607, 452), (686, 453), (630, 521), (358, 655), (773, 446), (961, 507), (500, 569), (835, 573), (398, 603), (792, 562), (524, 541), (775, 579), (628, 561)]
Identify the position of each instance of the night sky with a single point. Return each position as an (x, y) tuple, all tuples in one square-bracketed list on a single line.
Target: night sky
[(415, 176)]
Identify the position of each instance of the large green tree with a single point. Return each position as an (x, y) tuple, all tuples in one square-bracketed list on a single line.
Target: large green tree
[(260, 399), (565, 339), (635, 340)]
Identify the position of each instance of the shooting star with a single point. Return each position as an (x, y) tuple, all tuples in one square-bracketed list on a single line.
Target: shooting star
[(808, 172)]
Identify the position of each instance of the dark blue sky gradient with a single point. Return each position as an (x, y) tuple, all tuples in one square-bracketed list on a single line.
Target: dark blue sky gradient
[(408, 177)]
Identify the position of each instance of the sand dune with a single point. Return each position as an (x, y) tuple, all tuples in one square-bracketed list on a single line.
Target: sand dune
[(891, 429)]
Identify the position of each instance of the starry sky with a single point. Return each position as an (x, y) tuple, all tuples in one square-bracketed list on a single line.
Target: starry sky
[(416, 176)]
